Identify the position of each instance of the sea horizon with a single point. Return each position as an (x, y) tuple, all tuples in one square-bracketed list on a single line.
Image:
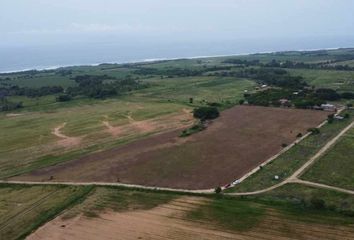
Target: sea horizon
[(54, 67)]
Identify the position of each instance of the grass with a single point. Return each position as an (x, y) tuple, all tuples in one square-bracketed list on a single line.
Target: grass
[(105, 198), (27, 142), (297, 201), (231, 214), (25, 208), (339, 80), (290, 161), (336, 167), (27, 138), (290, 202)]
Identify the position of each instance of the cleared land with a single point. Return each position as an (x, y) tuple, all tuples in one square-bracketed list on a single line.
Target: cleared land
[(238, 141), (125, 215), (336, 167)]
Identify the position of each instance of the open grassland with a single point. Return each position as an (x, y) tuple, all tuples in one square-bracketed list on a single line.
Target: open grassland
[(29, 137), (25, 208), (110, 212), (288, 162), (27, 141), (339, 80), (336, 167), (241, 139)]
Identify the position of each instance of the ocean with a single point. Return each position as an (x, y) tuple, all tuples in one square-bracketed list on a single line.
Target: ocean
[(47, 56)]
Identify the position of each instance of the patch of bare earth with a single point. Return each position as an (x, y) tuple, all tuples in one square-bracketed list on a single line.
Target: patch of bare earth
[(232, 145), (13, 114), (65, 141), (169, 221)]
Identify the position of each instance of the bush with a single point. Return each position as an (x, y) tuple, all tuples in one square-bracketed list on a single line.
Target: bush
[(284, 145), (63, 98), (314, 130), (241, 102), (194, 129), (347, 95), (299, 135), (317, 203), (330, 118), (204, 113), (218, 190)]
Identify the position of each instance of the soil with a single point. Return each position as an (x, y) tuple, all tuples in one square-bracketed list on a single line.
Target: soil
[(169, 221), (239, 140)]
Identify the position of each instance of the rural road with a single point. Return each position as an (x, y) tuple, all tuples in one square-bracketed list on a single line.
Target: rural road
[(294, 178)]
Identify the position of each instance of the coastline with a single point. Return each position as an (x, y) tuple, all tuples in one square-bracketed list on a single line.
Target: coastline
[(54, 67)]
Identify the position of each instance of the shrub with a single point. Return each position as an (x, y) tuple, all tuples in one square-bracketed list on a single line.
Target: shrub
[(317, 203), (194, 129), (330, 118), (218, 190), (63, 98), (241, 102), (204, 113), (299, 135), (314, 130)]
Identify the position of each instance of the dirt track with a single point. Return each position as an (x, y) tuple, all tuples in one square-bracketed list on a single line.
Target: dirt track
[(241, 139), (65, 141)]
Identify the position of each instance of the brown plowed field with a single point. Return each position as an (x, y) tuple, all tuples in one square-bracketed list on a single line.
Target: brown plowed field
[(239, 140), (169, 221)]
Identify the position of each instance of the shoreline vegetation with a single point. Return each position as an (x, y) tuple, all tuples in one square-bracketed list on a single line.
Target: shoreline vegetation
[(150, 60)]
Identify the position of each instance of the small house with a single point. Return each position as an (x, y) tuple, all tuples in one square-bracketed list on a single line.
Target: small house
[(329, 107)]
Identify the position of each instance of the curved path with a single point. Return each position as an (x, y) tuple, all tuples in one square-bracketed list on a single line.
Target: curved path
[(65, 141)]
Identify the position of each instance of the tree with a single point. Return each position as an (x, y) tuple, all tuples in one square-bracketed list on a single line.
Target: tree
[(205, 113)]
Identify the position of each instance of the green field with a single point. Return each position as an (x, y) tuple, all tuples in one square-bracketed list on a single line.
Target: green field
[(336, 167)]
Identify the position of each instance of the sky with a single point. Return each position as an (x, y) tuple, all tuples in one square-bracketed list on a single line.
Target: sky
[(38, 22), (46, 33)]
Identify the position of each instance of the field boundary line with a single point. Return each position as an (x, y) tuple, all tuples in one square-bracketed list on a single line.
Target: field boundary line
[(205, 191)]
